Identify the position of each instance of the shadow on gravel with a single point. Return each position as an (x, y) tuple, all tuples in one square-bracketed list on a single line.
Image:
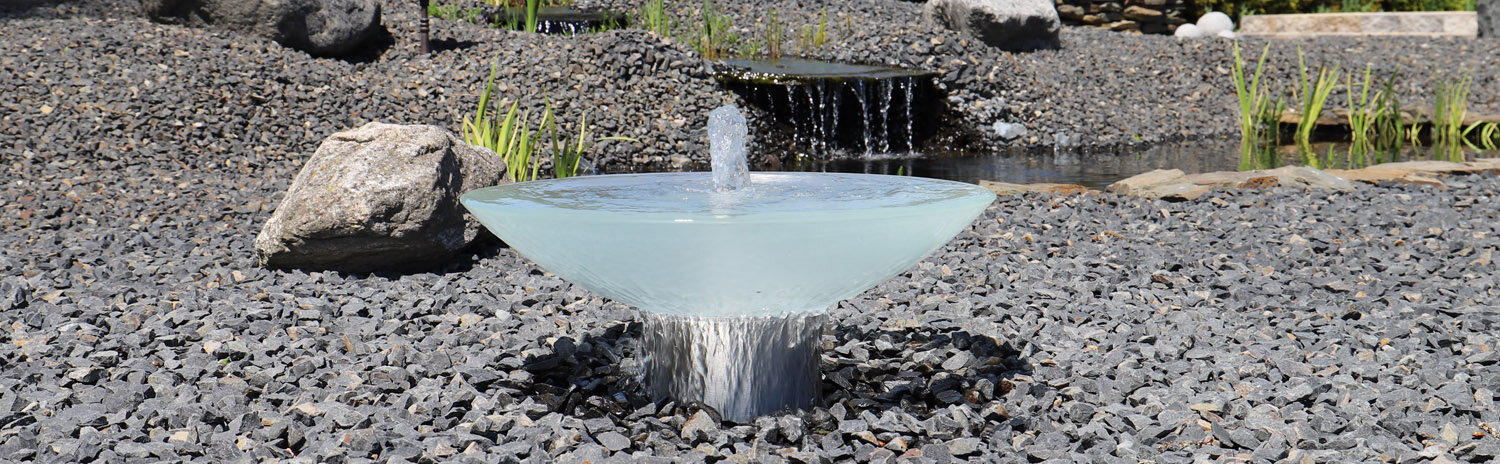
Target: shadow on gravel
[(916, 371), (583, 377), (443, 45), (372, 51), (21, 8)]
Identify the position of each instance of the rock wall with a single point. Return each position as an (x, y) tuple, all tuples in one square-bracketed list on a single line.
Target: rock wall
[(1145, 16)]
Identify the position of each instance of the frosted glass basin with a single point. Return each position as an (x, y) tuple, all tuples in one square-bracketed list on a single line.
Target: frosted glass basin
[(668, 243)]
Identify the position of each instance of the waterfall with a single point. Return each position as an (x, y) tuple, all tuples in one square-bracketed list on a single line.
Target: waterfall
[(871, 111)]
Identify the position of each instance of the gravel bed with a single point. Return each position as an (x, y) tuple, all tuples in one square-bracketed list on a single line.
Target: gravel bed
[(1256, 327), (140, 160)]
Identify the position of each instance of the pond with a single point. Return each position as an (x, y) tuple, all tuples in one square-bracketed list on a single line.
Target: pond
[(1097, 168)]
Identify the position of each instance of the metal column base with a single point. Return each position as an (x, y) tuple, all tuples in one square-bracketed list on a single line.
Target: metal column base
[(743, 367)]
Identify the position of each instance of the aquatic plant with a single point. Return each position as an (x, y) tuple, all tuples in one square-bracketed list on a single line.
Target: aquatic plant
[(532, 7), (814, 36), (1259, 114), (653, 16), (775, 33), (523, 18), (714, 37), (1313, 96), (567, 157), (1362, 113), (517, 142), (1489, 135), (455, 12), (523, 3), (1389, 123), (750, 49), (1449, 109)]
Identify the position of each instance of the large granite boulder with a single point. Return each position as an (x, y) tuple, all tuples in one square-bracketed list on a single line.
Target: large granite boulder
[(1016, 25), (380, 197), (1489, 18), (319, 27)]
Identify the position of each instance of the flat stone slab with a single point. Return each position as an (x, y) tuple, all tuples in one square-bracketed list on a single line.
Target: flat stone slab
[(1420, 24), (1417, 172), (1006, 189), (1411, 115), (1173, 184)]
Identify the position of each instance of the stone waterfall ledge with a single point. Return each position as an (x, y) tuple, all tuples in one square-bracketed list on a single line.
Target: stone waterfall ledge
[(1420, 24), (1173, 184), (1144, 16)]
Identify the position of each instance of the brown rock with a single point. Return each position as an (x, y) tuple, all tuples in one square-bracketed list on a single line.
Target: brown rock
[(1420, 179), (1169, 184), (1309, 178), (1369, 175), (1142, 14), (1486, 163), (1147, 180), (1259, 182), (1221, 178), (1071, 12), (1004, 189), (1425, 166), (1063, 189), (1417, 172)]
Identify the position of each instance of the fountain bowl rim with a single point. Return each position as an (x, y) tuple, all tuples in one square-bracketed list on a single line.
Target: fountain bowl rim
[(978, 193)]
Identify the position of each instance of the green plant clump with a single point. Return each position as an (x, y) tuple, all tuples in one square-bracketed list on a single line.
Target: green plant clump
[(653, 16), (1313, 95), (1390, 124), (1259, 115), (1362, 114), (455, 12), (775, 33), (1449, 109), (516, 19), (813, 37), (519, 144), (714, 38)]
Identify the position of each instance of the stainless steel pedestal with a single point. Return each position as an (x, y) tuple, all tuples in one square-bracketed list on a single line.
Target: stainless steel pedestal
[(743, 367)]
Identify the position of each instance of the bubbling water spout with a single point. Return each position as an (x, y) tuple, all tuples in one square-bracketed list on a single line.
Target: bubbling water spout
[(727, 131)]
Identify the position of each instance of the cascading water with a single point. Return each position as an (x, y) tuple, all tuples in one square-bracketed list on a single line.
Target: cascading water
[(833, 109), (558, 20)]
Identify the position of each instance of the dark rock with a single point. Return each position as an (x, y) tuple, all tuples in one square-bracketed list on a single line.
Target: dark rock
[(1008, 25), (319, 27)]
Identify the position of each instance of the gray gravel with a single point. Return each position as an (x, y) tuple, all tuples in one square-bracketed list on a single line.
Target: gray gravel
[(134, 326), (1258, 326)]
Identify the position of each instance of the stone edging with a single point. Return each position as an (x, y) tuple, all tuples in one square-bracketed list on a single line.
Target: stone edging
[(1408, 23), (1173, 184)]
